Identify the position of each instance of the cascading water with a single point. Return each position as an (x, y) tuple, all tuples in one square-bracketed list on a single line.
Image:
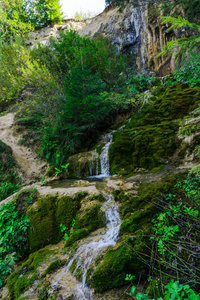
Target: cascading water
[(104, 158), (87, 252)]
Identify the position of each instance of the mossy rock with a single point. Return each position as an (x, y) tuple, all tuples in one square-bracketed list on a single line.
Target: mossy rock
[(144, 147), (117, 263), (56, 264), (84, 164), (93, 219), (47, 215), (18, 283), (20, 280), (75, 236), (149, 139), (25, 198)]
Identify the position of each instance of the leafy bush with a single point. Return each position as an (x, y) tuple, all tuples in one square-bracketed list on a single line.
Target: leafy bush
[(82, 87), (189, 71), (173, 291), (13, 242)]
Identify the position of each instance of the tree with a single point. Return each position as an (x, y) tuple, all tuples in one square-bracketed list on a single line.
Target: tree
[(181, 45), (41, 12), (18, 17), (14, 19)]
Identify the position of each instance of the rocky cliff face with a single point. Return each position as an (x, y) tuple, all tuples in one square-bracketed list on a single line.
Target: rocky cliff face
[(136, 29)]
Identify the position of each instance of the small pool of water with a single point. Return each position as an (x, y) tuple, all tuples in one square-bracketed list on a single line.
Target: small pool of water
[(66, 183)]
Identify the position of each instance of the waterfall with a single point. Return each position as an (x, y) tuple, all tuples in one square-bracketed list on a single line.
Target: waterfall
[(104, 159), (87, 252)]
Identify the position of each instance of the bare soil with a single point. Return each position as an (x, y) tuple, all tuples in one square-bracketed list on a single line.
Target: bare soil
[(30, 167)]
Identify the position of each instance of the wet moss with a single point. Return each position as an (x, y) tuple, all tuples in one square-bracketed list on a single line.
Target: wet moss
[(117, 263), (56, 264), (20, 280), (75, 236), (46, 217), (149, 139), (92, 219)]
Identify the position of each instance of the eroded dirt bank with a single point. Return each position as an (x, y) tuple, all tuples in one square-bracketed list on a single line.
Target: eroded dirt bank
[(30, 167)]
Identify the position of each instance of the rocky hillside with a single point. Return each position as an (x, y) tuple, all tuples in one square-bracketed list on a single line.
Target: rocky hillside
[(100, 160), (137, 29)]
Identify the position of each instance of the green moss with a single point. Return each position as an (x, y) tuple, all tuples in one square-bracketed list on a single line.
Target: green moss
[(99, 198), (137, 212), (46, 217), (117, 263), (19, 281), (43, 294), (93, 219), (75, 236), (25, 198), (57, 264), (148, 140), (99, 148), (146, 147)]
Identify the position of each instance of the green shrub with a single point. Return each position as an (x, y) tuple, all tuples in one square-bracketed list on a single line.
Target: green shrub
[(14, 237), (189, 72)]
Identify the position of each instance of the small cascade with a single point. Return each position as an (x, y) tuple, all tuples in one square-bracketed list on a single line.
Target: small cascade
[(87, 252), (104, 157)]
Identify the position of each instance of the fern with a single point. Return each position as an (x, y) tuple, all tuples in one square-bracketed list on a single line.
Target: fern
[(181, 45)]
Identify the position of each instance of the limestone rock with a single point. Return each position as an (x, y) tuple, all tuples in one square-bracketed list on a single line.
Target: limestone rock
[(137, 30), (84, 164)]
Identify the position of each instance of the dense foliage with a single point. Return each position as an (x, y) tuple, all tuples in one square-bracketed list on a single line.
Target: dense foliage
[(174, 242), (68, 91), (18, 17), (181, 45), (13, 242)]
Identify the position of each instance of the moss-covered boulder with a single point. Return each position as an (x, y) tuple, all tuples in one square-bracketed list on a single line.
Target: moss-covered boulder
[(84, 164), (133, 252), (93, 218), (9, 178), (119, 262), (47, 214), (149, 139)]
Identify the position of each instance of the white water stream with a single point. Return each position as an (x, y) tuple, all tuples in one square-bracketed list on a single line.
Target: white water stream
[(88, 251), (104, 159)]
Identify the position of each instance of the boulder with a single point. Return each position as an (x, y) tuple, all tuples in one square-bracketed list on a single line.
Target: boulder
[(84, 164)]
